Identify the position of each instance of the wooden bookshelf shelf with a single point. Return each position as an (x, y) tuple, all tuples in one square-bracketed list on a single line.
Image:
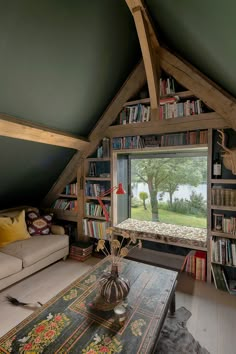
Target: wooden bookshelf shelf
[(181, 94), (225, 265), (223, 181), (68, 215), (97, 178), (98, 159), (200, 147), (67, 196), (223, 207), (194, 122), (94, 217), (87, 197), (222, 234)]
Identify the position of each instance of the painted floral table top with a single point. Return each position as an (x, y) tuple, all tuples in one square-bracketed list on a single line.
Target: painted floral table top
[(168, 233), (70, 323)]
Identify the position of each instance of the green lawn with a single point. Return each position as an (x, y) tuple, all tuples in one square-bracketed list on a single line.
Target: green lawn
[(169, 217)]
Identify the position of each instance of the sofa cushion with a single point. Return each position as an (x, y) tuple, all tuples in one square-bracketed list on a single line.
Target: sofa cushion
[(13, 229), (38, 224), (9, 265), (36, 248)]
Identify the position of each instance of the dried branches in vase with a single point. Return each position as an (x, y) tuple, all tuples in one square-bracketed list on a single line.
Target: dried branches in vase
[(115, 288), (118, 249)]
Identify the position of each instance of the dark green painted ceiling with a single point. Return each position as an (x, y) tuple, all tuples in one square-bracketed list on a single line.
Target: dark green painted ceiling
[(28, 170), (63, 61), (203, 32)]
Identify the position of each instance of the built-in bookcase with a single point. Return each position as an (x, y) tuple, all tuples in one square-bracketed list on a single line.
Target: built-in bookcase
[(223, 220), (97, 180), (65, 206)]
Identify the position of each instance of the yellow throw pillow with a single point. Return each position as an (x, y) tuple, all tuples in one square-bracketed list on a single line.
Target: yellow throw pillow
[(13, 229)]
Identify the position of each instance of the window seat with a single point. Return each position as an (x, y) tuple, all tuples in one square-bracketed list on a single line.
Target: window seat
[(181, 236)]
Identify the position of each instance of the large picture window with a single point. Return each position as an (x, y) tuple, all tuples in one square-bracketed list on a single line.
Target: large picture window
[(169, 187)]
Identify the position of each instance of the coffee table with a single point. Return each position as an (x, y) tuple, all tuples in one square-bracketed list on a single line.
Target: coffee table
[(71, 322)]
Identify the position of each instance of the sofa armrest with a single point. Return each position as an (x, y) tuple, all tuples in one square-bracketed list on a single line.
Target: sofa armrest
[(57, 230)]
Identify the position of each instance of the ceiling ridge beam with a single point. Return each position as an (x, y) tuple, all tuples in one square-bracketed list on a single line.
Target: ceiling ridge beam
[(151, 62), (13, 127)]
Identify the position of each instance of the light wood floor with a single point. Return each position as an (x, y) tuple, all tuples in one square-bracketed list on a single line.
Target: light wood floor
[(213, 312)]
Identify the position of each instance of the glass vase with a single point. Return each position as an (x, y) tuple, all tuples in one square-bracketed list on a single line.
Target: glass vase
[(113, 287)]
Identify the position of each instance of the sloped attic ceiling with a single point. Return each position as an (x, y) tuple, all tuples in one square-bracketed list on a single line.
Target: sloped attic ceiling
[(63, 61), (203, 33), (61, 64)]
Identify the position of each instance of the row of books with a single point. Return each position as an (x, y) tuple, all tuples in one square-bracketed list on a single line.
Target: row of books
[(195, 264), (229, 225), (95, 209), (223, 281), (167, 86), (180, 109), (94, 189), (169, 108), (71, 189), (94, 228), (103, 151), (224, 224), (99, 169), (223, 196), (173, 139), (134, 114), (65, 204), (127, 142), (223, 251)]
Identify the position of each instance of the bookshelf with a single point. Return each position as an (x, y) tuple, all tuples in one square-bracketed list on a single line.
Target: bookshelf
[(180, 111), (222, 231), (97, 179), (187, 138), (66, 205)]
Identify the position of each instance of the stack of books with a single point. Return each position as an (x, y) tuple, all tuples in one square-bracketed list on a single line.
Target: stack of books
[(80, 251), (195, 264)]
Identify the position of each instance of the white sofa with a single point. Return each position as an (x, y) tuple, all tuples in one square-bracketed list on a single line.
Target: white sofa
[(22, 258)]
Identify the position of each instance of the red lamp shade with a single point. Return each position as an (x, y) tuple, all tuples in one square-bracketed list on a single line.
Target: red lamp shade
[(120, 189)]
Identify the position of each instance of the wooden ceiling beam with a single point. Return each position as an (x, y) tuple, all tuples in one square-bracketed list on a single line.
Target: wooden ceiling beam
[(17, 128), (135, 81), (151, 63), (132, 4)]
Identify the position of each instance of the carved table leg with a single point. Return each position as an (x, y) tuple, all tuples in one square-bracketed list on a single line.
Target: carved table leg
[(172, 306)]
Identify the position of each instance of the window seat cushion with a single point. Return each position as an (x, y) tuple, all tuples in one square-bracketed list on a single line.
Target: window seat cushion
[(185, 236)]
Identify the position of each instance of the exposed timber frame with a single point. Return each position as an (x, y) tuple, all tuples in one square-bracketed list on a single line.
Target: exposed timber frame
[(151, 61), (131, 87), (154, 56), (216, 98), (20, 129)]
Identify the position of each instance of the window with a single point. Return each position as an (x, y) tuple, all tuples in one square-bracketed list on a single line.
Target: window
[(169, 187)]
